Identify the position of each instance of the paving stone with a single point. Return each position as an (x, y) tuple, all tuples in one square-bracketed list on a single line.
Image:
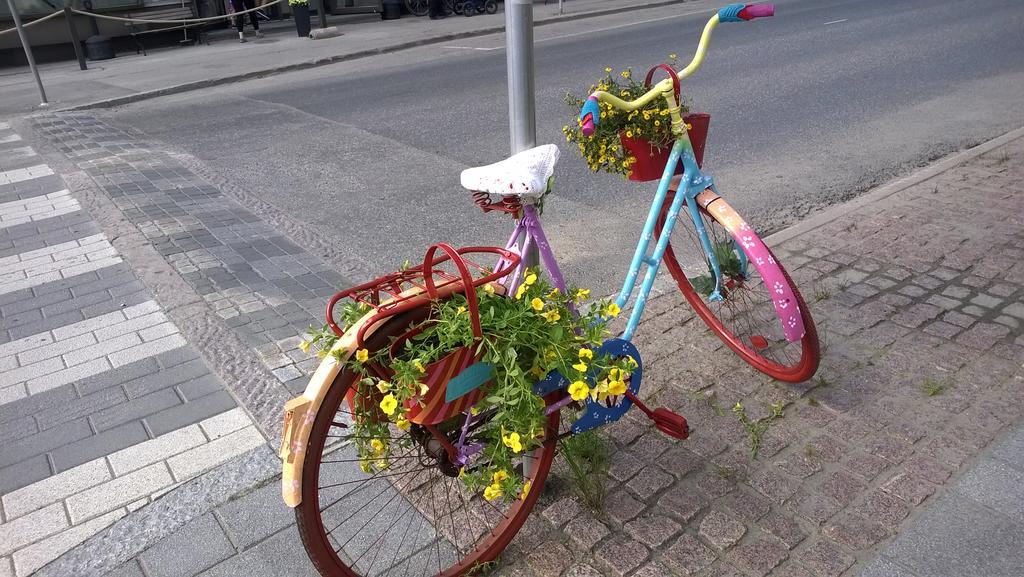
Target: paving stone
[(38, 554), (652, 530), (886, 509), (96, 446), (562, 511), (688, 555), (890, 447), (550, 560), (758, 557), (824, 559), (815, 507), (855, 531), (651, 569), (188, 413), (721, 530), (799, 465), (865, 465), (912, 489), (784, 528), (117, 492), (622, 555), (204, 457), (197, 546), (581, 570), (649, 482), (621, 506), (987, 301), (32, 527), (775, 486), (681, 502), (43, 442), (983, 335), (586, 531), (841, 486)]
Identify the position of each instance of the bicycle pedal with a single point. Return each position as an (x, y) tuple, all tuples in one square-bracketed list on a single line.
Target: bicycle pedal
[(670, 423)]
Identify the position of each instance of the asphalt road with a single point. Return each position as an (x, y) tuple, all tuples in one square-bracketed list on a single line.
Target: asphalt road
[(808, 108)]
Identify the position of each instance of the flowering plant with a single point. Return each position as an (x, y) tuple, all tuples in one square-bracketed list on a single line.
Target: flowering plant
[(603, 150), (525, 336), (296, 2)]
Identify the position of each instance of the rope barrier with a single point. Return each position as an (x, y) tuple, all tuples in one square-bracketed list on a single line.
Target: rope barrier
[(188, 21), (32, 23)]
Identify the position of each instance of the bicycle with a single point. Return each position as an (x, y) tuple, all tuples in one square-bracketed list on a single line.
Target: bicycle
[(355, 523)]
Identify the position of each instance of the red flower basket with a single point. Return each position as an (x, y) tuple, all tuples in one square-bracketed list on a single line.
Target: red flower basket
[(651, 160)]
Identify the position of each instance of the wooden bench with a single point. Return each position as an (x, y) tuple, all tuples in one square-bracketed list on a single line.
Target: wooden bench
[(137, 30)]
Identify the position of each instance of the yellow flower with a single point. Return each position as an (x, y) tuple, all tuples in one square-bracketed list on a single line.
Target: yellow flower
[(526, 489), (614, 374), (489, 288), (377, 445), (388, 404), (554, 293), (581, 295), (552, 315), (530, 279), (321, 354), (580, 366), (402, 423), (612, 310), (600, 392), (424, 389), (625, 73), (499, 476), (616, 388), (419, 366), (673, 56), (381, 464), (579, 390), (304, 346), (537, 304), (383, 386), (631, 363), (586, 354), (492, 492), (362, 355), (511, 441), (629, 134), (460, 310), (365, 467), (608, 69), (520, 291)]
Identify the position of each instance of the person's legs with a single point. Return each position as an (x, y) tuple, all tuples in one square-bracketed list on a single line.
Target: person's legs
[(253, 17), (238, 6), (436, 9)]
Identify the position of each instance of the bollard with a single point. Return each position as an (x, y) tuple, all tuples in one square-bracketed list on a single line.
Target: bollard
[(74, 37), (28, 51)]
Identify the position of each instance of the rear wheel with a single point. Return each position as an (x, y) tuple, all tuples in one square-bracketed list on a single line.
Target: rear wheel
[(417, 7), (414, 517), (491, 6), (745, 319)]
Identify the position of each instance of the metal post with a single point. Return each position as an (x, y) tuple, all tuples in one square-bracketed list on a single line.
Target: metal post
[(28, 51), (559, 7), (323, 13), (519, 43), (522, 114), (74, 37)]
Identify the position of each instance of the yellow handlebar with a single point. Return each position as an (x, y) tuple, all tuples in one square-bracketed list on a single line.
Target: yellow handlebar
[(665, 86)]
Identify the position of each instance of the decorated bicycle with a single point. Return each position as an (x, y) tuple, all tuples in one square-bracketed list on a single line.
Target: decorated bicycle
[(422, 442)]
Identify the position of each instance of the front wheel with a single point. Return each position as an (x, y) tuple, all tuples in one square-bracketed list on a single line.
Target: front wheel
[(414, 516), (745, 319), (491, 6)]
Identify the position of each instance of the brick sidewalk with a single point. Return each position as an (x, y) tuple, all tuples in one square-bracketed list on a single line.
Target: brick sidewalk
[(918, 292)]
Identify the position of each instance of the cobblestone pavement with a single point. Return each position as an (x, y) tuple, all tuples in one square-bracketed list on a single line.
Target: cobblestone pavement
[(917, 298)]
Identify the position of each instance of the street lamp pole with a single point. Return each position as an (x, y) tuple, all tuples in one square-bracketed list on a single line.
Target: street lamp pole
[(28, 51), (522, 117)]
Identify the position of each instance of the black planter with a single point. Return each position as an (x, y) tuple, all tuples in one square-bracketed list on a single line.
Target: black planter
[(300, 12)]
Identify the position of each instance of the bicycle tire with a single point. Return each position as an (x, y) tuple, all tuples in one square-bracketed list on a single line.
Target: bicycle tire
[(491, 6), (311, 522), (762, 333), (417, 7)]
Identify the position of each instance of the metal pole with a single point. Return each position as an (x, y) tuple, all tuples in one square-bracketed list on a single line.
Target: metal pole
[(28, 51), (522, 117), (559, 7), (74, 37), (323, 13)]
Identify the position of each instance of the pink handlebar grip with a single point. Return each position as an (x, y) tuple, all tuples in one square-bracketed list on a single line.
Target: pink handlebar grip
[(757, 11), (587, 125)]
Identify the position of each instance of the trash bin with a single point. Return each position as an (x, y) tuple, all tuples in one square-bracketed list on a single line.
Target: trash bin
[(99, 48), (391, 9)]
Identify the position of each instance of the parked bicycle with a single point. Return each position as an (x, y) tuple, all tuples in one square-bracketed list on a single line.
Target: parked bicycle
[(410, 513)]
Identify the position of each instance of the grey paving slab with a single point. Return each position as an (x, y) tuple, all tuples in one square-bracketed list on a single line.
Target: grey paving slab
[(1011, 449), (198, 545), (24, 473), (188, 413), (95, 446), (282, 555), (959, 537), (255, 516), (883, 566), (996, 485)]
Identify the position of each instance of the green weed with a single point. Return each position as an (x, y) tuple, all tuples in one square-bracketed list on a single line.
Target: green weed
[(930, 387), (587, 457), (757, 429)]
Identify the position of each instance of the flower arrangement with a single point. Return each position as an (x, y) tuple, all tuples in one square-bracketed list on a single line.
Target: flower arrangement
[(297, 2), (604, 150), (525, 336)]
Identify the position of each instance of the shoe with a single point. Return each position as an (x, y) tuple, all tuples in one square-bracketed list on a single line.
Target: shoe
[(242, 40), (439, 17), (259, 35)]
